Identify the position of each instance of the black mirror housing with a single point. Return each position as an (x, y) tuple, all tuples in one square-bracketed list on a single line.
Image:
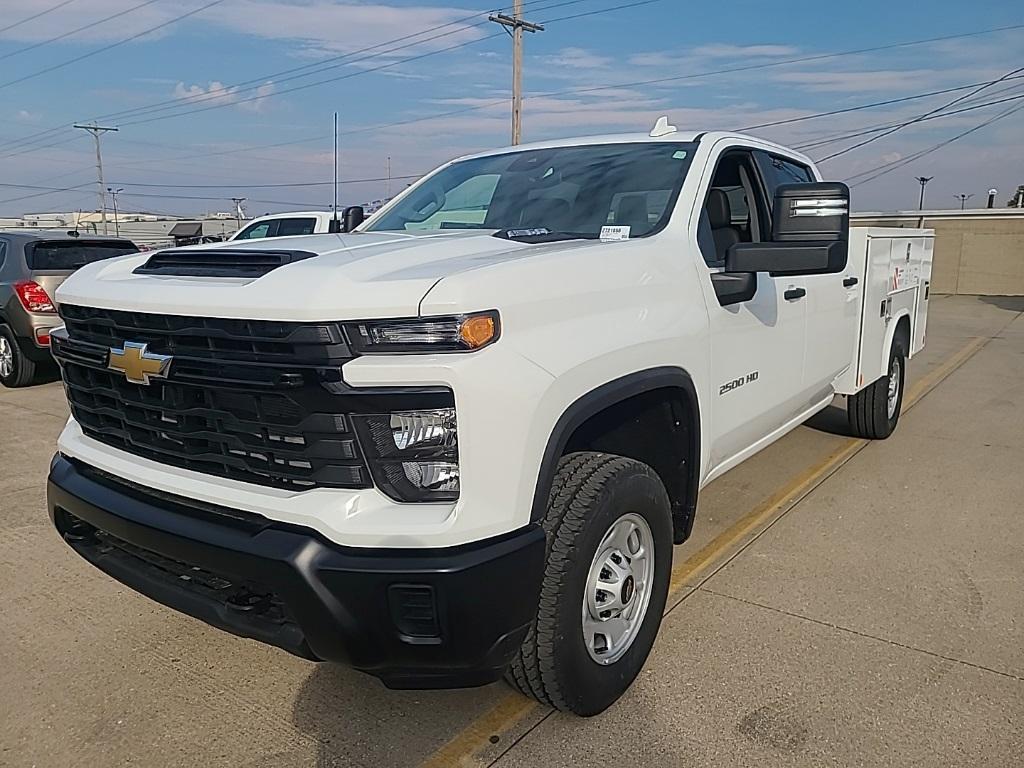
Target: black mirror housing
[(810, 233), (784, 259), (815, 212), (353, 217)]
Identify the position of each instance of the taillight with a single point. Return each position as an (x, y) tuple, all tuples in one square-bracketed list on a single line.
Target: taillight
[(33, 297)]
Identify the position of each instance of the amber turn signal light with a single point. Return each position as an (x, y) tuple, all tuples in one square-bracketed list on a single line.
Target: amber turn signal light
[(478, 330)]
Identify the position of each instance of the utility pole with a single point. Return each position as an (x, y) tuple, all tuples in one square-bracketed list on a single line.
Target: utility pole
[(96, 130), (113, 196), (923, 181), (963, 199), (238, 209), (387, 189), (518, 25)]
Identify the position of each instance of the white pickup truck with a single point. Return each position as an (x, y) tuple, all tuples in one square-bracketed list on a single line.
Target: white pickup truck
[(291, 224), (445, 454)]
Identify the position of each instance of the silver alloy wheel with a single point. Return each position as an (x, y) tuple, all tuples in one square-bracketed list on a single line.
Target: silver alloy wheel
[(894, 386), (6, 357), (618, 589)]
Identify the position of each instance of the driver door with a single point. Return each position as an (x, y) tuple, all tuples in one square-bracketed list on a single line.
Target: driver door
[(756, 346)]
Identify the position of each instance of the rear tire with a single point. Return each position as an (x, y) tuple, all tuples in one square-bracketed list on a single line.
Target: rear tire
[(874, 411), (16, 370), (609, 557)]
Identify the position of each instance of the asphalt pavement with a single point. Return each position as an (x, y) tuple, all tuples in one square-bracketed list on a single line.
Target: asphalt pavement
[(841, 603)]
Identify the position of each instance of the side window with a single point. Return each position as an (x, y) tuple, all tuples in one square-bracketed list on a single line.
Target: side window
[(291, 227), (735, 210), (782, 170), (3, 252), (256, 231)]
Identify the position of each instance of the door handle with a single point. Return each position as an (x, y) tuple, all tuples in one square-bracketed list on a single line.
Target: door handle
[(849, 282), (794, 293)]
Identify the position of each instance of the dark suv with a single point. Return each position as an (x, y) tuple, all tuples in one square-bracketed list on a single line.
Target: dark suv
[(32, 266)]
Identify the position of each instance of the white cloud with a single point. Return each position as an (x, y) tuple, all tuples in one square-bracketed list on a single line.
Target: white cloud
[(577, 58), (729, 51), (216, 93), (25, 116)]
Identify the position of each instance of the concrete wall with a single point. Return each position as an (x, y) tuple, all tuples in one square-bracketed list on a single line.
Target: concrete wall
[(976, 252)]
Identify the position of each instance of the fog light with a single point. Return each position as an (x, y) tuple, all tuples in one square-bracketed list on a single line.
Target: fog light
[(413, 455), (432, 475)]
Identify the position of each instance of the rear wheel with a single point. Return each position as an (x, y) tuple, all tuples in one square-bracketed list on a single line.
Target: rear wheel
[(16, 370), (874, 411), (609, 553)]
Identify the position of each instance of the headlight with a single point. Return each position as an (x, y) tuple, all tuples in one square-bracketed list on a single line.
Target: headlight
[(413, 455), (450, 333)]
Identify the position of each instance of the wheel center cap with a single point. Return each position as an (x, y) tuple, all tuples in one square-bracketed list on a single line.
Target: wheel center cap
[(628, 590)]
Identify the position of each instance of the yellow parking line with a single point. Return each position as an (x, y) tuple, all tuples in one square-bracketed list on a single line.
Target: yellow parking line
[(509, 710), (513, 708)]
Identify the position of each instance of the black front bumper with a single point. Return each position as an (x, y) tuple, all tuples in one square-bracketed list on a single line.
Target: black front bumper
[(414, 618)]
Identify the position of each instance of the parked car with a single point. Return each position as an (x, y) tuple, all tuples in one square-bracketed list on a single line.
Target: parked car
[(452, 453), (32, 266), (286, 225)]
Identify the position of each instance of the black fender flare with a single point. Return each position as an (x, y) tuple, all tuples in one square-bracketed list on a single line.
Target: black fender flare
[(608, 394)]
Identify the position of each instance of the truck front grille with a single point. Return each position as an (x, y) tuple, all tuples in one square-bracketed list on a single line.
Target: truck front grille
[(257, 401)]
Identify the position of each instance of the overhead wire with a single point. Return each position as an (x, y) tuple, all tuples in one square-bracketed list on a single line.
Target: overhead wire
[(105, 48), (874, 173), (75, 31), (35, 16), (917, 119)]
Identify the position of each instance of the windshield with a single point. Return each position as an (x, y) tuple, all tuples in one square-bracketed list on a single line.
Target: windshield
[(574, 190), (73, 254)]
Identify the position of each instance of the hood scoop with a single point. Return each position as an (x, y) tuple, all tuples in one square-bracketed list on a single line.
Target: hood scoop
[(218, 262)]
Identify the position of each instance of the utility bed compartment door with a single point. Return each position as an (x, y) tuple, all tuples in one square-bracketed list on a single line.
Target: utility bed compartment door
[(895, 268)]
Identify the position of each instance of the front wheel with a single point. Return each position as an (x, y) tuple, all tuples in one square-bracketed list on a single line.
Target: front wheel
[(609, 557), (874, 411)]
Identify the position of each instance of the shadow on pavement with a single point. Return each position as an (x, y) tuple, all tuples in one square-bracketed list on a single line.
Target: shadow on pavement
[(358, 722), (1009, 303), (832, 420)]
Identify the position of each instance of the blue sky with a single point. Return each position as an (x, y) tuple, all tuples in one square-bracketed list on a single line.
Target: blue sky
[(198, 61)]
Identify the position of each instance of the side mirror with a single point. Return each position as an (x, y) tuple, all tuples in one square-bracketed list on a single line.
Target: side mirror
[(353, 217), (818, 212), (810, 228)]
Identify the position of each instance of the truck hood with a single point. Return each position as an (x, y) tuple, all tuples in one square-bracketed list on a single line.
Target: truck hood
[(353, 276)]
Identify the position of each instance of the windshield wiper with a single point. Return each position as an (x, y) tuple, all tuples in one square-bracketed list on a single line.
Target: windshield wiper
[(542, 235)]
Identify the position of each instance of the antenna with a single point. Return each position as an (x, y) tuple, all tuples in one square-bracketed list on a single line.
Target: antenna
[(662, 127), (335, 225)]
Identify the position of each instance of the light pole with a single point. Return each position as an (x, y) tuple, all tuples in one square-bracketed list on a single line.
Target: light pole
[(113, 196), (963, 199), (238, 209), (923, 181)]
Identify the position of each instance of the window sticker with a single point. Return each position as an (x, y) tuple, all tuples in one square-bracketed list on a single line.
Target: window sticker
[(615, 233)]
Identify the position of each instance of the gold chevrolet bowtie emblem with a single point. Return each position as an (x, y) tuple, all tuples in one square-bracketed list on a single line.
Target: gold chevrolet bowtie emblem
[(138, 365)]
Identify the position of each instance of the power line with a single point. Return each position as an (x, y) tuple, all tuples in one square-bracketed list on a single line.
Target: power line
[(106, 48), (871, 105), (574, 91), (90, 25), (388, 65), (235, 89), (901, 126), (34, 16), (882, 170), (690, 76), (266, 186), (321, 66), (873, 129)]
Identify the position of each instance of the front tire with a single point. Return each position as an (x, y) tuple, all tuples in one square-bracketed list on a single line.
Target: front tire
[(16, 370), (609, 558), (874, 411)]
